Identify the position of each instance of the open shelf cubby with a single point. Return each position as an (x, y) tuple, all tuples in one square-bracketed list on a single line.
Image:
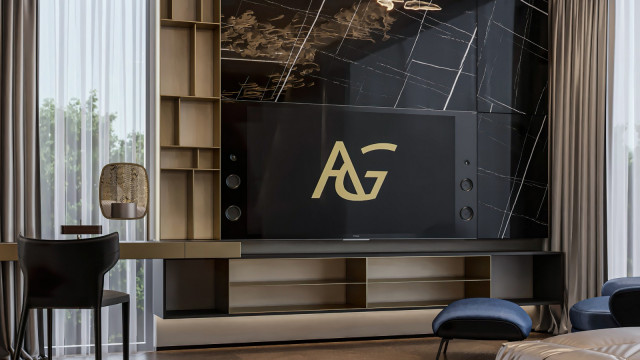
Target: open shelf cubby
[(282, 285), (189, 60), (185, 295), (189, 119), (426, 281), (207, 11)]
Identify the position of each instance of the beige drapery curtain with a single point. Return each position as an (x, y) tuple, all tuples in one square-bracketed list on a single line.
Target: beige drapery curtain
[(578, 70), (19, 173)]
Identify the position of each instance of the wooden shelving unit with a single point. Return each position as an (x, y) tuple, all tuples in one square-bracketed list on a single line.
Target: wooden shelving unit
[(254, 286), (189, 119), (293, 285)]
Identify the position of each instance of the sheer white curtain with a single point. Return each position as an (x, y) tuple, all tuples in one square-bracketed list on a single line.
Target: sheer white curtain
[(623, 147), (92, 95)]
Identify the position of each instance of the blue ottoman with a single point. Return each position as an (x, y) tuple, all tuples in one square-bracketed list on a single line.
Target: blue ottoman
[(592, 314), (481, 319)]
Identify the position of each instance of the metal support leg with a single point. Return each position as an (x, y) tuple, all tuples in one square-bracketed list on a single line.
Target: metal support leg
[(50, 333), (446, 345), (97, 332), (40, 325), (125, 330), (442, 342)]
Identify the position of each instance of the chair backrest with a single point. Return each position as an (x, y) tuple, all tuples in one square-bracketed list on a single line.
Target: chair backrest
[(624, 305), (66, 273), (614, 285)]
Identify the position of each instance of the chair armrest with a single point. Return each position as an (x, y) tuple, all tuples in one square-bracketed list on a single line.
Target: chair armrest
[(623, 304)]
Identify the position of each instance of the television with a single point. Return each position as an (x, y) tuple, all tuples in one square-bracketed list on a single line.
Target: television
[(306, 171)]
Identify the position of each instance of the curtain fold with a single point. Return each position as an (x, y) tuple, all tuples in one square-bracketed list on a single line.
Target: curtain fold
[(578, 73), (19, 160)]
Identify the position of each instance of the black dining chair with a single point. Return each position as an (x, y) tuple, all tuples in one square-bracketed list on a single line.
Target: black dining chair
[(69, 274)]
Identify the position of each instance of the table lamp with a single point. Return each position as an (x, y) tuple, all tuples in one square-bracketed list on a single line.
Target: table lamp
[(124, 191)]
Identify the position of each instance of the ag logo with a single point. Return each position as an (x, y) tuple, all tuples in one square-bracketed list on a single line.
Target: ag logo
[(348, 168)]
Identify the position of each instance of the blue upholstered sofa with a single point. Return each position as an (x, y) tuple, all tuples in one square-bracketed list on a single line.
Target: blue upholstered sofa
[(617, 307)]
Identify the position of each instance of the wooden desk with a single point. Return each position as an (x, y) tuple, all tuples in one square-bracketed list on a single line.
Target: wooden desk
[(195, 249)]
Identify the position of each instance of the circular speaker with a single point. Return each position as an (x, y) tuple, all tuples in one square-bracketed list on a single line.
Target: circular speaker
[(233, 157), (233, 181), (466, 213), (466, 185), (233, 213)]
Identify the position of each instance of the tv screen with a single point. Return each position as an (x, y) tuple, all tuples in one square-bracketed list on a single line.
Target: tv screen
[(337, 172)]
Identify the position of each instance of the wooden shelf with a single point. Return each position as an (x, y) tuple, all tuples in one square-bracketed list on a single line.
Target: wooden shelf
[(195, 313), (535, 301), (428, 279), (291, 308), (156, 250), (189, 147), (411, 304), (296, 283), (189, 24), (189, 97), (187, 169)]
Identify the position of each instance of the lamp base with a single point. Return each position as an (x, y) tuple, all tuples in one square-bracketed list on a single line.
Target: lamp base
[(123, 210), (81, 229)]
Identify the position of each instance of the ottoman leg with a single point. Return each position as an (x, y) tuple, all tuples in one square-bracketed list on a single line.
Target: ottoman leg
[(444, 342)]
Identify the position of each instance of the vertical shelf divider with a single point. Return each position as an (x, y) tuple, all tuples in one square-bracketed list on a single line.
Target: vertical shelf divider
[(199, 10), (192, 84), (176, 130), (190, 206)]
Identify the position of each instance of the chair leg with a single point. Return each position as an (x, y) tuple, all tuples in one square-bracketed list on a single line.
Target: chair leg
[(446, 345), (40, 326), (442, 342), (22, 328), (125, 330), (50, 333), (97, 332)]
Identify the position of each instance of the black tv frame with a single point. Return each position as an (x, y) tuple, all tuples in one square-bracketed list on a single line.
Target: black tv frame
[(234, 161)]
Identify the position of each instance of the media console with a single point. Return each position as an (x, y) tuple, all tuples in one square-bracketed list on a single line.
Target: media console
[(296, 283)]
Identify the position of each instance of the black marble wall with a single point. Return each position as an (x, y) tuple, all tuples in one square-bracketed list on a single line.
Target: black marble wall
[(483, 56), (512, 119)]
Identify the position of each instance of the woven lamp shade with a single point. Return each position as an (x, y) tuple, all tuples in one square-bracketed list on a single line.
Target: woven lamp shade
[(124, 191)]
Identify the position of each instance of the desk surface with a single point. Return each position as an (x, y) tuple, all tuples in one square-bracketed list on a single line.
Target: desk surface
[(195, 249)]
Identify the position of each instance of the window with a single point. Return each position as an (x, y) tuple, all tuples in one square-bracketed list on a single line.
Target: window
[(93, 111), (623, 142)]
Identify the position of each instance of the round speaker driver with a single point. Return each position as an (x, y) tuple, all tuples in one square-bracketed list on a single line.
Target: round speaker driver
[(233, 213), (466, 213), (233, 181), (466, 185)]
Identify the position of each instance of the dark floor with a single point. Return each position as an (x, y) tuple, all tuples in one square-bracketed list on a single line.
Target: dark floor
[(388, 349)]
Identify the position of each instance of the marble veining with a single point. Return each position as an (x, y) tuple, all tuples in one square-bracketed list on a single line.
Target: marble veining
[(513, 56), (512, 176), (351, 52)]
